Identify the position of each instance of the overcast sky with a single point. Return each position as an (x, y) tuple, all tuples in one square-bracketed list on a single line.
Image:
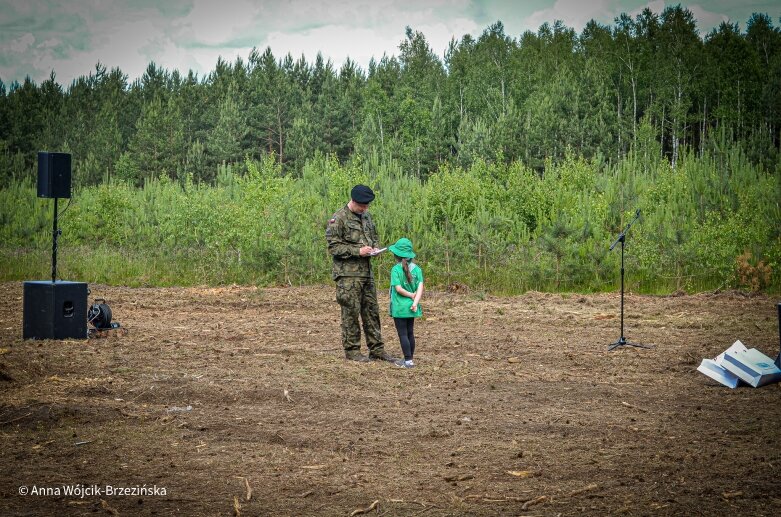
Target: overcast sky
[(71, 36)]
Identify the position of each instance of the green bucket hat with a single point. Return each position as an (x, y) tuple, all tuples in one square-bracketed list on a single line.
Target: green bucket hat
[(402, 248)]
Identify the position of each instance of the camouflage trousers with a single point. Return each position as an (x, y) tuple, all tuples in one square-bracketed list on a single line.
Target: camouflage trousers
[(358, 298)]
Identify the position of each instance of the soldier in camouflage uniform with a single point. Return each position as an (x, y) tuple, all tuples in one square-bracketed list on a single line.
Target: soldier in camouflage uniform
[(352, 241)]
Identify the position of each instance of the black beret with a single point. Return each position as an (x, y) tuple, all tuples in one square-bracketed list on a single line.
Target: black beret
[(362, 194)]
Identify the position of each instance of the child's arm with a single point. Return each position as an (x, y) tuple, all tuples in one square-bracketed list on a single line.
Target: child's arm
[(417, 297), (404, 292)]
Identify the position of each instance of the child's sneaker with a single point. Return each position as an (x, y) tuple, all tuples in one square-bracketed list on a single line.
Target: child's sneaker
[(401, 363)]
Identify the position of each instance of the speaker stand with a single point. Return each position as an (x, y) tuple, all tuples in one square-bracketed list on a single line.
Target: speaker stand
[(55, 234)]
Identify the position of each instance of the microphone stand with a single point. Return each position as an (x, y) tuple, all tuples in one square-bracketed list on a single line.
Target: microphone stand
[(622, 341)]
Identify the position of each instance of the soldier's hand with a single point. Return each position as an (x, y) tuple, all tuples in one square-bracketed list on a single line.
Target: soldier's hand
[(365, 251)]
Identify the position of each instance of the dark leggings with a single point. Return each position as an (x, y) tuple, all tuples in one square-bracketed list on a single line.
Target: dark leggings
[(406, 330)]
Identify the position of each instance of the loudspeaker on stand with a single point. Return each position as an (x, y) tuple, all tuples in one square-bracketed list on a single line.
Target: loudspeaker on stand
[(54, 175)]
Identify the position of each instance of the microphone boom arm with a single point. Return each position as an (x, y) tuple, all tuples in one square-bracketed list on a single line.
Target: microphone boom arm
[(622, 236)]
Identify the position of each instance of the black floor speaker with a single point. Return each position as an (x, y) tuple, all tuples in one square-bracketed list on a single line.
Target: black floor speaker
[(55, 310)]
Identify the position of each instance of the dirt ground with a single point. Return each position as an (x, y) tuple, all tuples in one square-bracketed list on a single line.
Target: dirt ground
[(237, 401)]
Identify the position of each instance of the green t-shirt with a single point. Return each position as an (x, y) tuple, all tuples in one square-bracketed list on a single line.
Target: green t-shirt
[(400, 306)]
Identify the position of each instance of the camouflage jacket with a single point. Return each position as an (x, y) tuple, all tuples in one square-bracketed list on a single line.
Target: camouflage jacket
[(346, 233)]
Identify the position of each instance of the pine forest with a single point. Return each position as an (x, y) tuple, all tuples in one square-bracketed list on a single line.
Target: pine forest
[(512, 162)]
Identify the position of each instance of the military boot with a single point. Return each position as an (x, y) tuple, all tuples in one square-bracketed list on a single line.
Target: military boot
[(356, 356), (381, 355)]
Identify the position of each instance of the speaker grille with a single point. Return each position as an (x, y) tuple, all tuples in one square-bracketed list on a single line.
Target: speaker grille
[(55, 310), (54, 175)]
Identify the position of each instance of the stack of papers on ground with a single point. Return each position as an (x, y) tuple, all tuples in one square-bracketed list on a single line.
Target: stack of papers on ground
[(751, 366), (713, 369), (738, 363)]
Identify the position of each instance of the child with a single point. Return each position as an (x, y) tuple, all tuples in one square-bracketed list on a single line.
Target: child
[(406, 289)]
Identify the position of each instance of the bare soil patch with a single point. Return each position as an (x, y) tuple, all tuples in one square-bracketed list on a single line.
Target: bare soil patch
[(237, 400)]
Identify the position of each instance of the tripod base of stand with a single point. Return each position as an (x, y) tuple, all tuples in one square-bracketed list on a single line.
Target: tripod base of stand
[(623, 342)]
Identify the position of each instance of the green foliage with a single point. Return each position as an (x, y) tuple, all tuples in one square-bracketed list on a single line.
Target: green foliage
[(511, 163), (453, 195), (649, 84), (495, 227)]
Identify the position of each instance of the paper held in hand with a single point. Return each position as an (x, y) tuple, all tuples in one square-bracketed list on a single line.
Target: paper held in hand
[(374, 253)]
